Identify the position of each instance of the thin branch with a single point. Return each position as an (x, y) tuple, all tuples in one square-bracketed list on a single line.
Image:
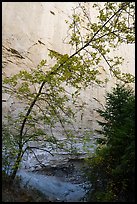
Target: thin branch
[(42, 149), (83, 9), (98, 102), (98, 31), (41, 164), (106, 60), (59, 118)]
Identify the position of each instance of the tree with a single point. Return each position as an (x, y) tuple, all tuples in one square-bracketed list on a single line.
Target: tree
[(94, 40), (46, 101), (114, 162)]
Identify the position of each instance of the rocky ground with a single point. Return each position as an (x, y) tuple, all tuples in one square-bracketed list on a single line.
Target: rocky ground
[(73, 171), (65, 182)]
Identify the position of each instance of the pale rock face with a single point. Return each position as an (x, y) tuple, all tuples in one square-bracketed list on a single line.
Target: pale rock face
[(26, 23), (31, 28)]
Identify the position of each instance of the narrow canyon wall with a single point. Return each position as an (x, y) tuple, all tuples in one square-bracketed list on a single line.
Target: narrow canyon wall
[(29, 29)]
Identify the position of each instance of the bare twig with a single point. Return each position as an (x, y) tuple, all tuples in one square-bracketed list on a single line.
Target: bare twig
[(41, 149), (41, 164)]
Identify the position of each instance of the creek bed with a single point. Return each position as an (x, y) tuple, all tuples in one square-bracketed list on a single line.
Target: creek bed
[(63, 183)]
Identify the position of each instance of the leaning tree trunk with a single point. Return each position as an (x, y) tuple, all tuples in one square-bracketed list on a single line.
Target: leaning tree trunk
[(20, 152), (16, 164)]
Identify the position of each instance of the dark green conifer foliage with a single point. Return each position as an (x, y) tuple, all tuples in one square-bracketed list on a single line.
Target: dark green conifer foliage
[(113, 165)]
